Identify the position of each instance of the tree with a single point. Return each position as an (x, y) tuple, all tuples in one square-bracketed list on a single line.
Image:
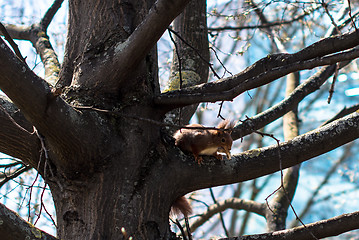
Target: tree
[(98, 129)]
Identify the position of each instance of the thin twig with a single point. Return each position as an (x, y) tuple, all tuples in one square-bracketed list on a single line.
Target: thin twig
[(178, 58), (219, 111), (325, 6), (30, 194), (285, 192), (350, 16), (266, 25), (197, 52), (200, 201), (179, 70), (335, 76), (220, 213), (45, 152), (282, 181), (345, 111), (15, 174), (41, 203), (52, 219), (180, 228), (220, 62), (42, 206), (188, 229)]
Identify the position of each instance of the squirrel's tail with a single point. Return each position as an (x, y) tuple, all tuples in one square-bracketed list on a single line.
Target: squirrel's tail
[(181, 205)]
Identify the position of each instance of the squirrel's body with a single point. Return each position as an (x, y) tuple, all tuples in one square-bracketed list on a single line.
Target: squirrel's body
[(202, 141)]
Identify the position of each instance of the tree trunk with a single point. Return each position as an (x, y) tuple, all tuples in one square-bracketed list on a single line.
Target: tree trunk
[(108, 190)]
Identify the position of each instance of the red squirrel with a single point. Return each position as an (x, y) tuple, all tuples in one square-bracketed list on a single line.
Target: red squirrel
[(202, 142), (206, 141)]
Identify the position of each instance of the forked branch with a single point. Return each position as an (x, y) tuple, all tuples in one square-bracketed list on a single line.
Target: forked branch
[(125, 56), (41, 42)]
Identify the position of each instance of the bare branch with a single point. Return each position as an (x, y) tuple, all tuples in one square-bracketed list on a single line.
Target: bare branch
[(16, 139), (259, 162), (264, 25), (278, 110), (321, 229), (264, 71), (18, 32), (49, 15), (224, 89), (48, 56), (42, 44), (14, 174), (13, 227), (345, 111), (38, 37), (11, 42), (230, 203)]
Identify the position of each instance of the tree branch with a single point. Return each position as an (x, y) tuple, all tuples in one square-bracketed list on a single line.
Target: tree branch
[(11, 42), (307, 87), (39, 39), (7, 177), (18, 32), (345, 111), (49, 113), (259, 162), (277, 214), (263, 25), (16, 139), (13, 227), (264, 71), (230, 203), (321, 229), (200, 94), (49, 15), (48, 56)]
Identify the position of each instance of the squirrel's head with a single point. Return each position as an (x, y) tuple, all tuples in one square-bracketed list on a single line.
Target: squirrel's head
[(224, 138)]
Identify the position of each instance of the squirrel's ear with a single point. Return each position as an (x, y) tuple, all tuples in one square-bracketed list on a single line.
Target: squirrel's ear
[(230, 125), (223, 124)]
